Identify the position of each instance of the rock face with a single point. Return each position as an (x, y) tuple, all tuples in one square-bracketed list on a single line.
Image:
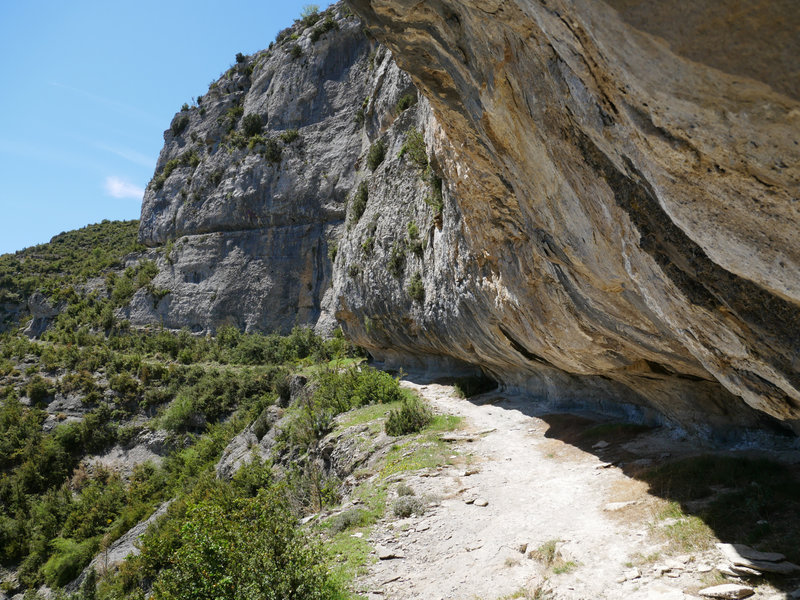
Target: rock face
[(596, 215), (620, 222), (251, 186)]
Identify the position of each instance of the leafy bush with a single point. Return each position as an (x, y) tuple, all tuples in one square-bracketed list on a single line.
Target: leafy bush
[(179, 124), (233, 548), (416, 289), (376, 154), (290, 135), (68, 560), (403, 489), (295, 51), (436, 199), (414, 243), (347, 519), (353, 270), (414, 147), (406, 101), (309, 15), (397, 260), (411, 417), (240, 58), (272, 151), (359, 117), (368, 246), (405, 506), (359, 203), (327, 25), (252, 124), (38, 389)]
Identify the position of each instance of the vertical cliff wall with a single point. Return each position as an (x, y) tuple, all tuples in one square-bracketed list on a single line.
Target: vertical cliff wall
[(620, 216), (251, 188)]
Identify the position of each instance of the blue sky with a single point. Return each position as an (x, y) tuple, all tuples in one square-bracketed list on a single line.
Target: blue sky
[(88, 89)]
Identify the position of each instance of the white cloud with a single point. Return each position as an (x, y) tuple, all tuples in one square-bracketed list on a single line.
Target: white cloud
[(119, 188)]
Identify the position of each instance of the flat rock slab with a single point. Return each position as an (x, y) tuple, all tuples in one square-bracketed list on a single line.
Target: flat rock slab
[(727, 591), (385, 553), (732, 554), (747, 552)]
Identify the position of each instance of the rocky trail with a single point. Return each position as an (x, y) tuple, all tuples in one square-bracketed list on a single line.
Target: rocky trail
[(517, 513)]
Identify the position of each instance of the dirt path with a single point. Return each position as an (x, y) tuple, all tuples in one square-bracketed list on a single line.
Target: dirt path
[(536, 490)]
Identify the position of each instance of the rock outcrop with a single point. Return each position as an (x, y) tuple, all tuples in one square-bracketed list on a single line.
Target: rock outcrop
[(599, 216), (620, 221), (251, 187)]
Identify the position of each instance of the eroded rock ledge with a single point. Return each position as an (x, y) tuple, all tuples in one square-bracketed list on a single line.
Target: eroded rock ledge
[(620, 223)]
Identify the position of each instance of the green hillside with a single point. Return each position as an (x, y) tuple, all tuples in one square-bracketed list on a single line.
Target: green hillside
[(92, 383), (69, 258)]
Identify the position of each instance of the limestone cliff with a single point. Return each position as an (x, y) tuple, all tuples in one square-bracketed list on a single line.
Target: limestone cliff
[(251, 187), (621, 215), (579, 208)]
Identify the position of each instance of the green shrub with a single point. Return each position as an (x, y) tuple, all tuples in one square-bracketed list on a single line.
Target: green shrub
[(295, 51), (396, 264), (179, 125), (435, 200), (359, 203), (68, 560), (38, 389), (252, 124), (215, 177), (240, 58), (376, 154), (411, 417), (347, 519), (403, 489), (368, 246), (416, 289), (327, 25), (353, 270), (309, 15), (124, 384), (414, 147), (414, 243), (406, 101), (272, 151), (290, 135), (244, 548), (359, 117), (405, 506)]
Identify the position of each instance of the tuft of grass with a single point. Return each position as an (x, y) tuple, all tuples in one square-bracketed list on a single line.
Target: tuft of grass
[(684, 533), (551, 558)]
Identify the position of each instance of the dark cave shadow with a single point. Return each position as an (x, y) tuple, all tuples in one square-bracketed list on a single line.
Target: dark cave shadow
[(743, 496)]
